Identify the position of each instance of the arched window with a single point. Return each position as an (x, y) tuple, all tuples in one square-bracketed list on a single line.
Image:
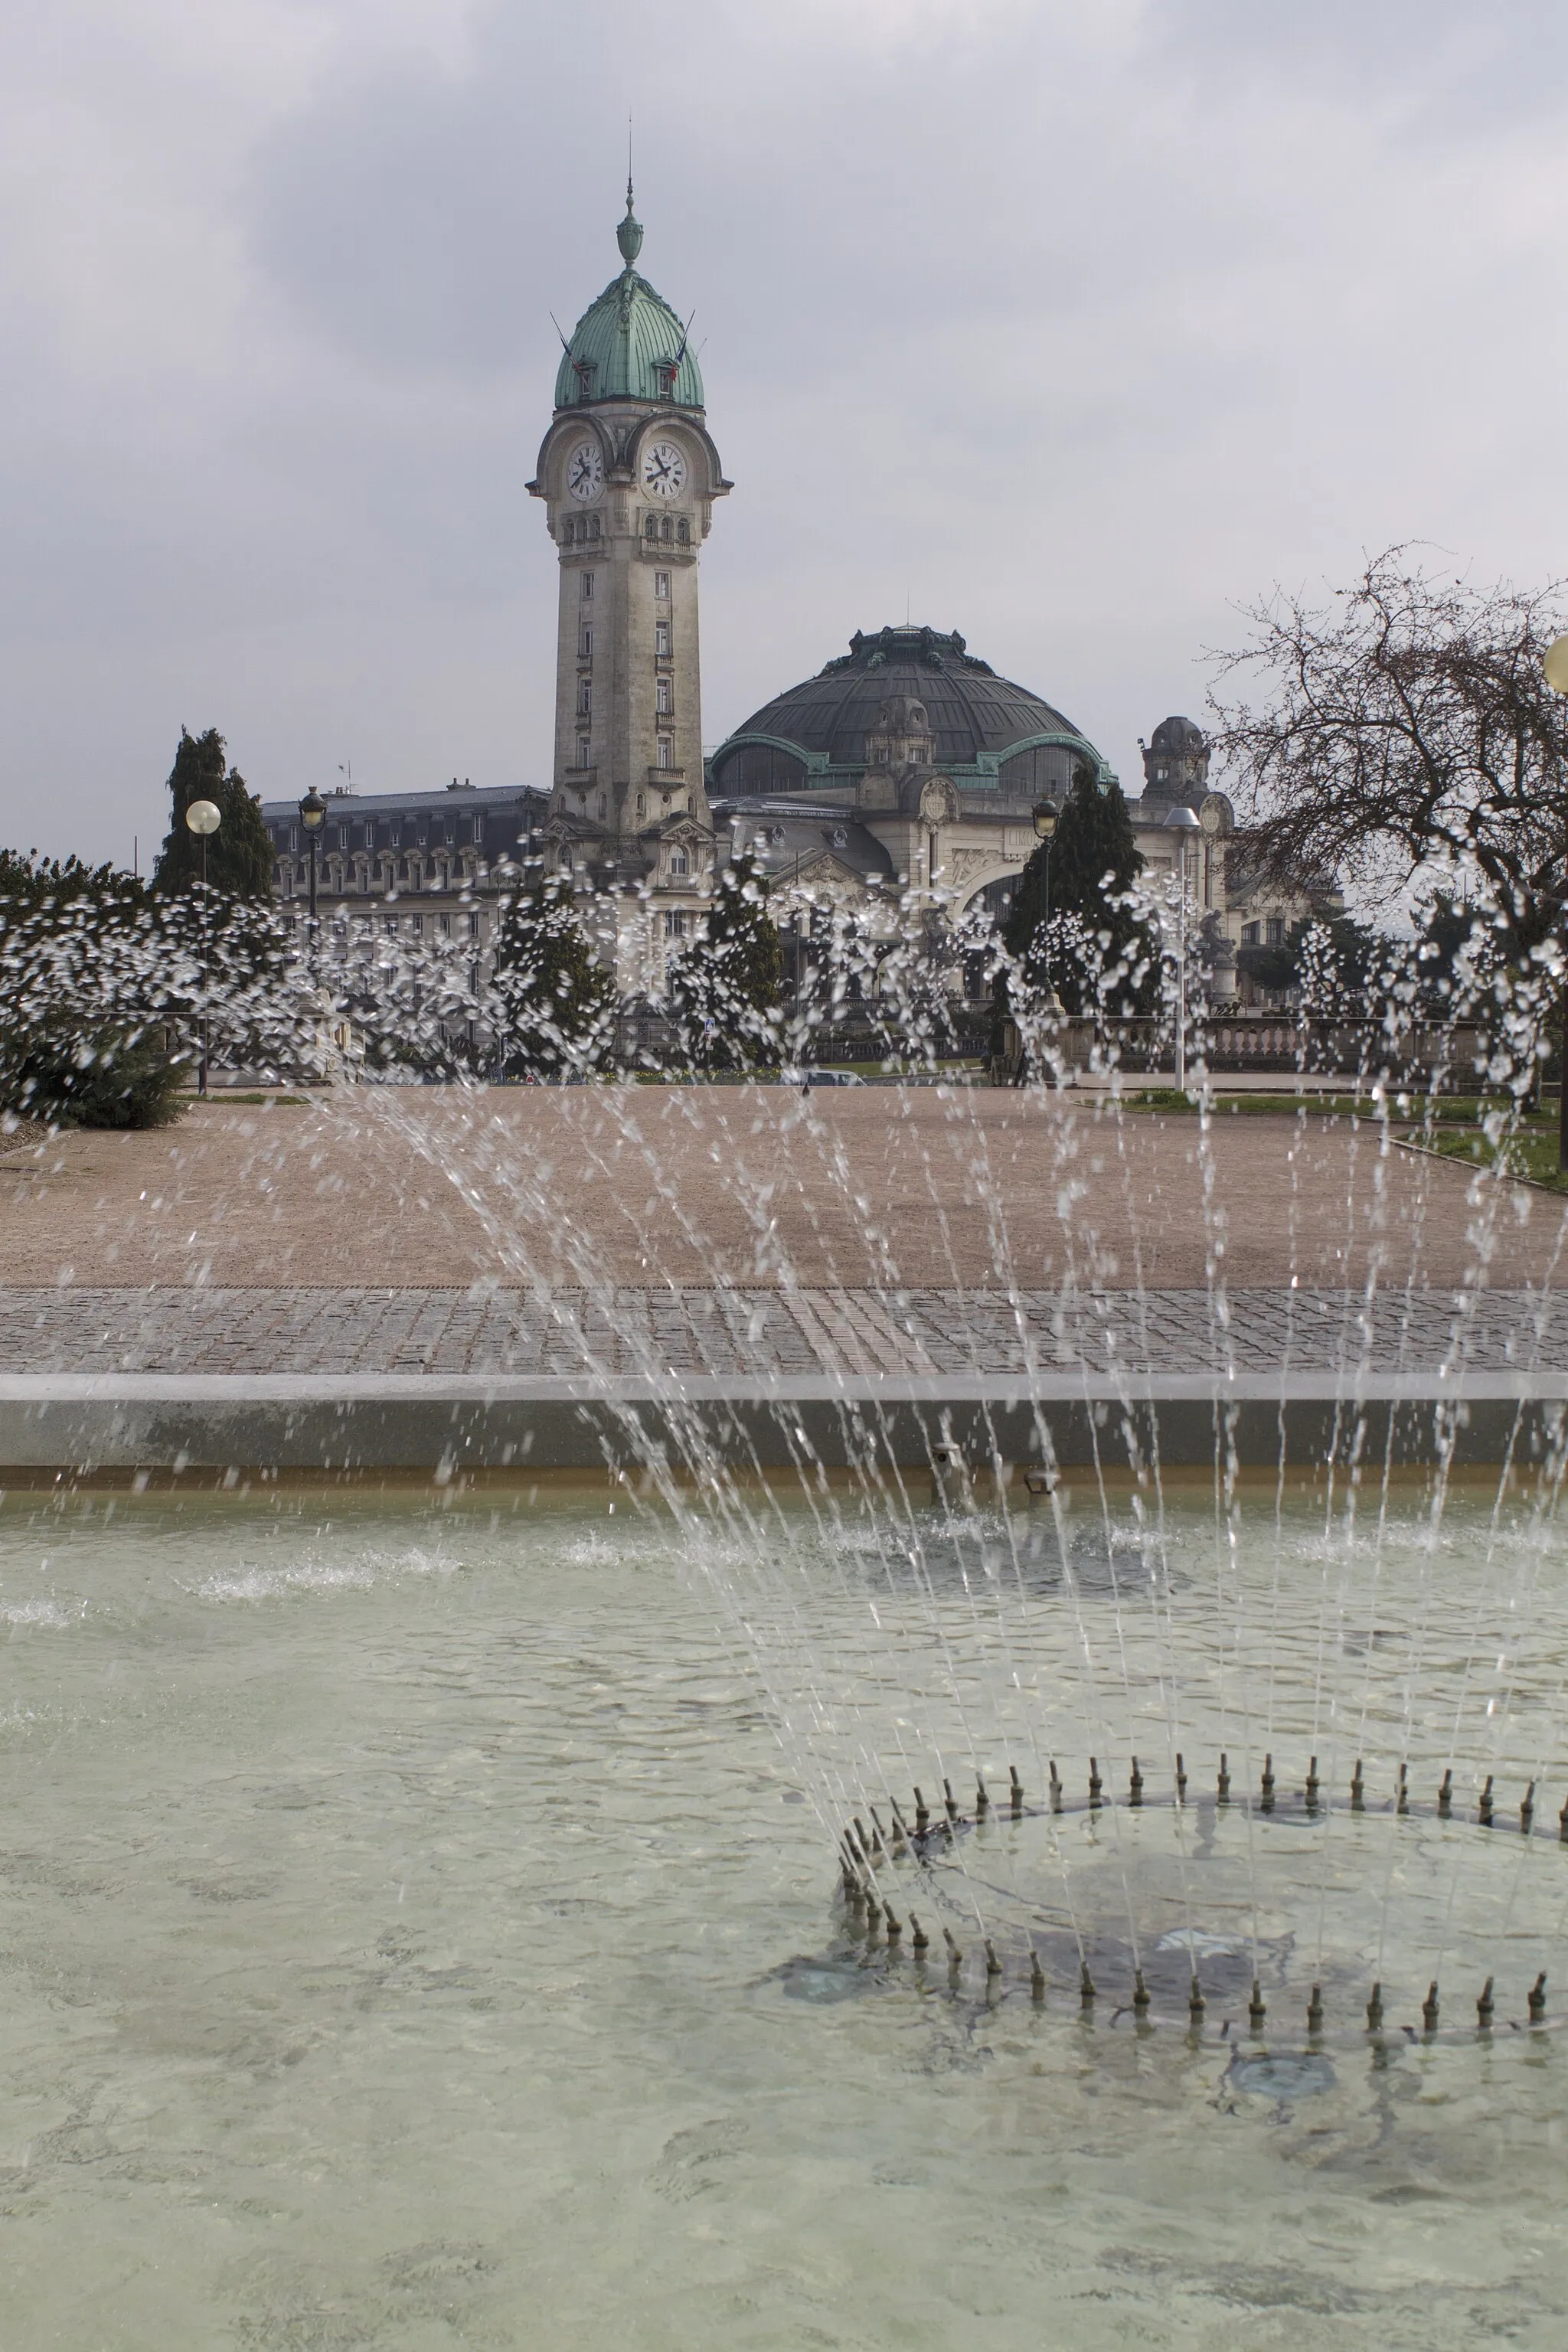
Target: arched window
[(650, 528), (682, 531)]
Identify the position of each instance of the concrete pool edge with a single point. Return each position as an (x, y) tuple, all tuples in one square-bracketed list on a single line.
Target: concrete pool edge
[(448, 1425)]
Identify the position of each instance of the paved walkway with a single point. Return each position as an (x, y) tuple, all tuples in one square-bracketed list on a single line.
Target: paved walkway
[(757, 1332), (865, 1189)]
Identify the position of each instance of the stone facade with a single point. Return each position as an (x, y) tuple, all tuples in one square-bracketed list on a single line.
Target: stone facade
[(628, 475)]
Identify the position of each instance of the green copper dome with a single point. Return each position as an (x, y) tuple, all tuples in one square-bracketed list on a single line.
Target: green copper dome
[(629, 344)]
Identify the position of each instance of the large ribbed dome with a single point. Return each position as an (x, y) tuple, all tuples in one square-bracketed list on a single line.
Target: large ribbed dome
[(629, 344), (977, 718)]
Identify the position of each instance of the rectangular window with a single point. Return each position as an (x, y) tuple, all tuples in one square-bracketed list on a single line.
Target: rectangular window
[(394, 835), (585, 694), (293, 836), (416, 923), (674, 924), (586, 648), (444, 922), (666, 697), (642, 799), (370, 832), (661, 585), (473, 927), (389, 923), (1249, 935), (587, 580), (289, 926), (661, 637), (479, 828), (584, 750), (1274, 931), (666, 751)]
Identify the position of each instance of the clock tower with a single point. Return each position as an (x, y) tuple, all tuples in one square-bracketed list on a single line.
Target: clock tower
[(628, 475)]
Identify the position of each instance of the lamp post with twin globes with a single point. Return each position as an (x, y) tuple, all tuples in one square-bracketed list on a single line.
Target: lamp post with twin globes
[(312, 816), (1180, 822), (203, 818)]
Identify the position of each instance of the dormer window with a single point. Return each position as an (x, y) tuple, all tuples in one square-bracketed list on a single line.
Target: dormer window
[(584, 370), (679, 862), (665, 372)]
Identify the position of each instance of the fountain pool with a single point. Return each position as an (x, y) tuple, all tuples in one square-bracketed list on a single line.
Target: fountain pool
[(420, 1928)]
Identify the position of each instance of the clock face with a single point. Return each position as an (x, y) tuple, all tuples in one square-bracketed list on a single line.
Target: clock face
[(585, 471), (663, 470)]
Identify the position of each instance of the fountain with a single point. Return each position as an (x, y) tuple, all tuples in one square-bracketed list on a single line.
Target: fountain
[(911, 1738)]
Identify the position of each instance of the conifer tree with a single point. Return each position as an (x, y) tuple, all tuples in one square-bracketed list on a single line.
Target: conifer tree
[(552, 1002), (240, 854), (1094, 861), (726, 990)]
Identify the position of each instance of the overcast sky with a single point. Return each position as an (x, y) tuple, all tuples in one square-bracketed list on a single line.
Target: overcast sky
[(1066, 323)]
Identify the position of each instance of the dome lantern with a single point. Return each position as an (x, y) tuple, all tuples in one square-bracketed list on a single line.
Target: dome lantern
[(628, 234)]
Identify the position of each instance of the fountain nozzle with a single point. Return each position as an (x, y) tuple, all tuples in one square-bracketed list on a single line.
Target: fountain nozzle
[(1357, 1790), (993, 1965), (1056, 1789), (920, 1940), (1140, 1994), (1402, 1793), (1313, 1786), (952, 1801), (1257, 2009), (1486, 1804), (1096, 1785), (1196, 2002), (1036, 1978), (1374, 2010), (1484, 2008), (1267, 1796), (1527, 1810), (1135, 1785), (955, 1955), (1315, 2011), (1018, 1788), (1085, 1986), (1180, 1779), (922, 1818), (1446, 1795), (1429, 2008), (1538, 1999), (1223, 1789)]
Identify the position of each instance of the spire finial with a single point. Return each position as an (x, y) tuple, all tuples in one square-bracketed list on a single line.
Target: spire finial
[(628, 235)]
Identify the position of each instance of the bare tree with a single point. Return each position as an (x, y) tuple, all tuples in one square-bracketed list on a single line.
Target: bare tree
[(1409, 726)]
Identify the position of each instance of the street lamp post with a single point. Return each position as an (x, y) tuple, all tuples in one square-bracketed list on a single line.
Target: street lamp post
[(1046, 818), (1180, 822), (312, 816), (202, 818), (1555, 671)]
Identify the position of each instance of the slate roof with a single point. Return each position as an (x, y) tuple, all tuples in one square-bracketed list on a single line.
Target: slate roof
[(971, 708)]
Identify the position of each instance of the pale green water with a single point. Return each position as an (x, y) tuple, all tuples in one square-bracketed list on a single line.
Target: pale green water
[(390, 1907)]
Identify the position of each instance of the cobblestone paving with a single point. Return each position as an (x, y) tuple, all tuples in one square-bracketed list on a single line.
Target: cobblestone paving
[(753, 1333)]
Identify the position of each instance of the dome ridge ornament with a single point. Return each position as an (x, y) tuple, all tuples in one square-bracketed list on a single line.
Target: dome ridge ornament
[(629, 232)]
